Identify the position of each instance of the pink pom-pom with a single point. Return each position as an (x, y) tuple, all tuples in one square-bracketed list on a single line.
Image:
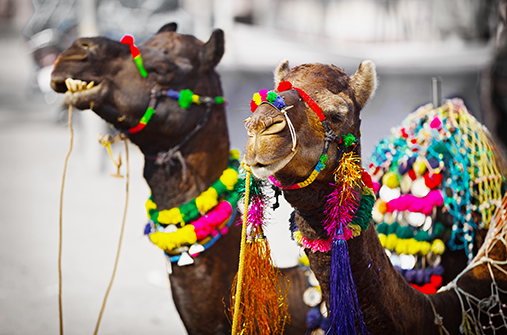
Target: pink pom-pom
[(263, 93), (206, 225), (435, 123), (412, 203), (376, 186)]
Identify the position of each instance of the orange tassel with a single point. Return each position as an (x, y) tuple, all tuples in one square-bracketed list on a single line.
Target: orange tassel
[(263, 307)]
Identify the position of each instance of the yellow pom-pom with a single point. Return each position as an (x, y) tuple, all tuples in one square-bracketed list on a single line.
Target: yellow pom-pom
[(304, 260), (383, 239), (402, 246), (207, 200), (149, 206), (257, 98), (298, 237), (425, 247), (195, 99), (170, 216), (391, 241), (234, 154), (356, 229), (413, 246), (390, 179), (438, 247), (419, 166), (171, 241), (229, 178)]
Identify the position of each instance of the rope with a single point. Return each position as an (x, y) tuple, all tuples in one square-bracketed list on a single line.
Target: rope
[(239, 284), (119, 242), (60, 307)]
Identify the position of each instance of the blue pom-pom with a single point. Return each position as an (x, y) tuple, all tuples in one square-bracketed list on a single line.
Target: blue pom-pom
[(148, 228), (419, 276), (173, 94), (313, 318), (279, 103), (324, 324), (410, 275), (438, 270)]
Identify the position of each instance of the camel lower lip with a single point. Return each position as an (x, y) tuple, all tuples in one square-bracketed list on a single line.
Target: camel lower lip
[(82, 97), (264, 171)]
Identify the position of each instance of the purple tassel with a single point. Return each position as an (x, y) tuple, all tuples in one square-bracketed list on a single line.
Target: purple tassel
[(344, 306)]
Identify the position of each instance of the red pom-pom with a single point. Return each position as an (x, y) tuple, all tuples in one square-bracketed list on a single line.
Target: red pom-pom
[(411, 174), (284, 86), (367, 179), (433, 181), (253, 106), (436, 280), (127, 39)]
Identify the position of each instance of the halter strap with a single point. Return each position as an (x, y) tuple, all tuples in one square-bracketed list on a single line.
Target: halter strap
[(185, 97), (277, 101)]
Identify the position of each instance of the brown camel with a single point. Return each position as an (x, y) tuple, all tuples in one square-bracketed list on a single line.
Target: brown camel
[(120, 96), (389, 305)]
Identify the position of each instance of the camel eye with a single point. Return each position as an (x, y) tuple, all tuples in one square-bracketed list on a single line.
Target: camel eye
[(84, 45)]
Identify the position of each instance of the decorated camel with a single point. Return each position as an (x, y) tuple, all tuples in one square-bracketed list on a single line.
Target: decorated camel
[(305, 137), (168, 101)]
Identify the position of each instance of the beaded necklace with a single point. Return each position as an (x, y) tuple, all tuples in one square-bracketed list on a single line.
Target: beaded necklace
[(194, 226)]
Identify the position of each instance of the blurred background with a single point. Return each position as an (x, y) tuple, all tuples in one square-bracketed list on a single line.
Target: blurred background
[(461, 42)]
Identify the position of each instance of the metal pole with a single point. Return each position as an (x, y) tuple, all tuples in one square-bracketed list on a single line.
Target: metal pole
[(436, 91)]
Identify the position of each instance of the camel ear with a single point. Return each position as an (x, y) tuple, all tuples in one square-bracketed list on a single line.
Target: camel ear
[(168, 27), (364, 82), (281, 71), (213, 50)]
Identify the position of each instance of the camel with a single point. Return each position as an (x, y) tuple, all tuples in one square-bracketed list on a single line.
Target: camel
[(321, 107), (107, 80)]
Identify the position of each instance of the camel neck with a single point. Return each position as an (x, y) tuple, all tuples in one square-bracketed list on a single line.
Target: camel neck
[(388, 303), (197, 165)]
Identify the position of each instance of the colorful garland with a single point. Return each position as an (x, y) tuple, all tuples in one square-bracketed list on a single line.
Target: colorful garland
[(200, 219), (436, 157)]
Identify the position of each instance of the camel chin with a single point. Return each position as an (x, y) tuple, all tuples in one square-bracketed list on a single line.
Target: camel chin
[(262, 171)]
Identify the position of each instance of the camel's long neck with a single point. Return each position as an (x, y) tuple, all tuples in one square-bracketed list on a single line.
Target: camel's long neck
[(203, 159), (389, 305)]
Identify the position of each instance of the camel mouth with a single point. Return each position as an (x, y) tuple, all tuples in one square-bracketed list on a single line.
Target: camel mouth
[(263, 171), (79, 92)]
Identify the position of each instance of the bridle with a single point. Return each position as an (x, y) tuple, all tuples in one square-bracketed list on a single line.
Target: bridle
[(276, 101), (185, 98)]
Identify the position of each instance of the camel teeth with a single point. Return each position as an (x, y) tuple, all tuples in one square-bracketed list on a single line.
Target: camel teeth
[(68, 84), (74, 85)]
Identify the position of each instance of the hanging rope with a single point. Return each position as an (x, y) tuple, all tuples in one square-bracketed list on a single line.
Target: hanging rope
[(60, 307), (239, 284), (119, 242)]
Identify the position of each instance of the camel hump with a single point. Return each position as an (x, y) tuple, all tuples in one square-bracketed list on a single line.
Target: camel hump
[(213, 50), (168, 27)]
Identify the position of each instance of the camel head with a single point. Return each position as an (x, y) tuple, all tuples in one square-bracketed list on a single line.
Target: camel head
[(107, 80), (271, 147)]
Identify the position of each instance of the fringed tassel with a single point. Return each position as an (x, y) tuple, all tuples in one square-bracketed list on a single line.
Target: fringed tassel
[(345, 313), (262, 307), (467, 326)]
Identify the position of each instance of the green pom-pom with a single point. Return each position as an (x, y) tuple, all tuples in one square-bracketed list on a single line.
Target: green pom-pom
[(404, 232), (422, 236), (382, 228), (438, 229), (185, 99), (348, 139), (271, 96), (219, 100), (391, 228)]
